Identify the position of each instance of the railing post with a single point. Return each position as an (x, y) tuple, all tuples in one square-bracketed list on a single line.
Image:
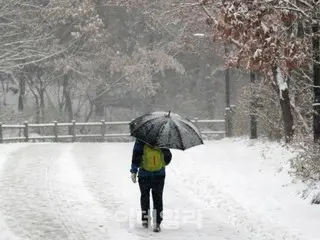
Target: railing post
[(26, 131), (55, 131), (73, 130), (1, 133), (103, 130)]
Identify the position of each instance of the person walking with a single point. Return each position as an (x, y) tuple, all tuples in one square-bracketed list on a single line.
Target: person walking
[(149, 163)]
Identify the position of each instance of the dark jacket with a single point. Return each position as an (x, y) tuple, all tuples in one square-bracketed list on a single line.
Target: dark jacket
[(137, 158)]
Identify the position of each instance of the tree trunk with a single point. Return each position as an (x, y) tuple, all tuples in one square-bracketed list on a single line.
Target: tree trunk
[(4, 89), (228, 120), (253, 106), (38, 117), (287, 115), (34, 92), (36, 99), (285, 105), (316, 77), (42, 104), (67, 96), (98, 102), (61, 102), (22, 90), (87, 118), (41, 91), (211, 98), (152, 99)]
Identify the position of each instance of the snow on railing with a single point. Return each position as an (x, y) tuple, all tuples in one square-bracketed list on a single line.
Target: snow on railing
[(72, 135)]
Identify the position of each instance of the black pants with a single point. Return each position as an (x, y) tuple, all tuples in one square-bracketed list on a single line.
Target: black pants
[(155, 184)]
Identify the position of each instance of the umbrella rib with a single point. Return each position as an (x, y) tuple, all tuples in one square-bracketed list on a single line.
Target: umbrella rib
[(161, 129), (180, 136)]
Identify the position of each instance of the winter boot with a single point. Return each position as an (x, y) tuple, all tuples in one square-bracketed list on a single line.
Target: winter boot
[(145, 224), (157, 228)]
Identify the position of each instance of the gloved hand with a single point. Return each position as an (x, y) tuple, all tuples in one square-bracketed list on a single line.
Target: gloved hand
[(134, 177)]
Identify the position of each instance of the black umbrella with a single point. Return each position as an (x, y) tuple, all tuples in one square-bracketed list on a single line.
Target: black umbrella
[(166, 130)]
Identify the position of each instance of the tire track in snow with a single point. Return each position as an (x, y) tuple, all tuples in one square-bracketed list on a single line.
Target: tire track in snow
[(43, 197), (97, 172), (94, 221), (5, 232), (78, 211), (23, 201)]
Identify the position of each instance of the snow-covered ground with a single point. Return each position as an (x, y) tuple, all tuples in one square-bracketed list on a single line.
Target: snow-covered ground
[(233, 189)]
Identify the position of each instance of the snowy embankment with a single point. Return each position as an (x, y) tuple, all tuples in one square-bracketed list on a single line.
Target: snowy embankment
[(232, 189)]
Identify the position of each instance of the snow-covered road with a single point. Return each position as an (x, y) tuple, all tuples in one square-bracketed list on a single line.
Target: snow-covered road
[(223, 190)]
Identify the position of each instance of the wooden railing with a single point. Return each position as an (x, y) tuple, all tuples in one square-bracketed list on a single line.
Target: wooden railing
[(102, 135)]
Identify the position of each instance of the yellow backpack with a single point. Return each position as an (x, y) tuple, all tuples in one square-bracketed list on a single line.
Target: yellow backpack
[(152, 159)]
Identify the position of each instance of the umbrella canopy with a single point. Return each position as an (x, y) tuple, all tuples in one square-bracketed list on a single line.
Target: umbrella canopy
[(166, 130)]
